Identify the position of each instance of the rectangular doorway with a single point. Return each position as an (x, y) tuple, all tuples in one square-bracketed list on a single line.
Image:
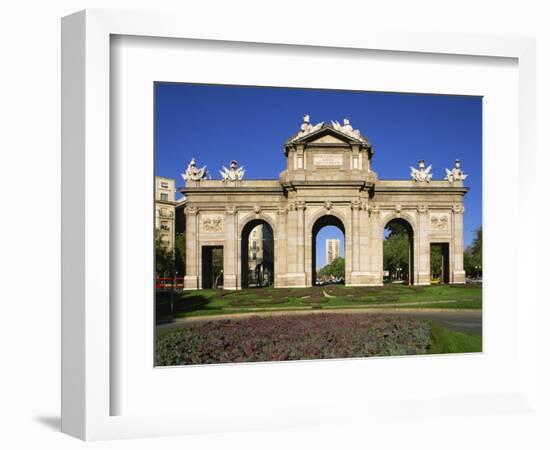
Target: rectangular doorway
[(439, 262), (212, 266)]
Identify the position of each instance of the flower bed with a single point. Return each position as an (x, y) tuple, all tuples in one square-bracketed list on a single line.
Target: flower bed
[(285, 338)]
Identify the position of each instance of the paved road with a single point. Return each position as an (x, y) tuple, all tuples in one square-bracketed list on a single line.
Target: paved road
[(465, 321)]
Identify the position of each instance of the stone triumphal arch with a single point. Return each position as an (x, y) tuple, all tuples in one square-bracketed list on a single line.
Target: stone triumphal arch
[(328, 180)]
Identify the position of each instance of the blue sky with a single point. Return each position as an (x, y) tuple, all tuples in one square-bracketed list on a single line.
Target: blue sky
[(250, 124)]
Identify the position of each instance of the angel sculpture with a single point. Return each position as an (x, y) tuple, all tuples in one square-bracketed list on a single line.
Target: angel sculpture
[(306, 127), (232, 174), (346, 128), (422, 174), (192, 173), (456, 174)]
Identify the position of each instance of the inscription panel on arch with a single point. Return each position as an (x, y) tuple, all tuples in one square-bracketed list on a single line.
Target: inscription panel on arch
[(328, 160)]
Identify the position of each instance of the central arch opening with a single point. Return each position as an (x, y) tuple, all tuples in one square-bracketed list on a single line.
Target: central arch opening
[(398, 252), (257, 254), (328, 245)]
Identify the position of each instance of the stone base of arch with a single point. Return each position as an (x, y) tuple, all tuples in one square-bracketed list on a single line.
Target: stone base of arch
[(298, 280), (230, 282), (191, 283), (459, 277), (365, 279)]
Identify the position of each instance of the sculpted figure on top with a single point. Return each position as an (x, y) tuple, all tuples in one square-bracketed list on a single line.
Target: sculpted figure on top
[(233, 173), (422, 174), (306, 127), (456, 174), (193, 173), (346, 128)]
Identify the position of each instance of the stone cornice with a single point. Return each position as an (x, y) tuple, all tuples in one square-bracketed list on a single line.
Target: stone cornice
[(418, 189), (232, 190)]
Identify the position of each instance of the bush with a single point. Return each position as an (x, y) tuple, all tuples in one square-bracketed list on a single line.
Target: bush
[(284, 338)]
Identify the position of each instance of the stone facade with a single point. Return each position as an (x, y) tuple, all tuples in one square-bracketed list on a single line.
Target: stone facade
[(328, 180), (165, 211)]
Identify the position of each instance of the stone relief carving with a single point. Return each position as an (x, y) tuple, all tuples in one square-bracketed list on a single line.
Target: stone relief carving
[(328, 206), (233, 173), (398, 209), (193, 173), (422, 174), (439, 221), (257, 209), (456, 174), (212, 224)]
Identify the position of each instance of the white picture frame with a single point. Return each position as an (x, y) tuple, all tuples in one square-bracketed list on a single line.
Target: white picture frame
[(87, 325)]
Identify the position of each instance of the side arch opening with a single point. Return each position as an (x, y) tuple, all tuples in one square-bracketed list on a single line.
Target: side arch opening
[(257, 254), (398, 249)]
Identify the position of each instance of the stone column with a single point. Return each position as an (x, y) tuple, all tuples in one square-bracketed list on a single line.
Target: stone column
[(230, 274), (422, 248), (280, 248), (301, 247), (457, 269), (355, 205), (375, 249), (191, 279)]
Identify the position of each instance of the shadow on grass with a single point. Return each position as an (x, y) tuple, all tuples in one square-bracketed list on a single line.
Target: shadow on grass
[(182, 305)]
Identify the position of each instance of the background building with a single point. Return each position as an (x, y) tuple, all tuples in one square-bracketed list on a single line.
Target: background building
[(260, 255), (165, 211), (332, 250)]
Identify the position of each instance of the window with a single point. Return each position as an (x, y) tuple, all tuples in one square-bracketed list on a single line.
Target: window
[(164, 184), (254, 256), (164, 196), (254, 245)]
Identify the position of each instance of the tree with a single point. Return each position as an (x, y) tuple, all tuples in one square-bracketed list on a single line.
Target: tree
[(164, 258), (396, 252), (179, 253), (473, 256), (336, 268), (436, 260)]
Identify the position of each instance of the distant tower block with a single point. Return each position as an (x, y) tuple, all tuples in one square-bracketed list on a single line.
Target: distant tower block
[(332, 250)]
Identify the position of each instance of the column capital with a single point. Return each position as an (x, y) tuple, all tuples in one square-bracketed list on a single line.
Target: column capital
[(374, 209), (422, 209), (230, 210), (458, 209), (301, 205), (355, 205), (191, 211)]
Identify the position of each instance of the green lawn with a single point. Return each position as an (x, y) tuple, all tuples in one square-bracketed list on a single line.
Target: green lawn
[(447, 341), (218, 301)]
